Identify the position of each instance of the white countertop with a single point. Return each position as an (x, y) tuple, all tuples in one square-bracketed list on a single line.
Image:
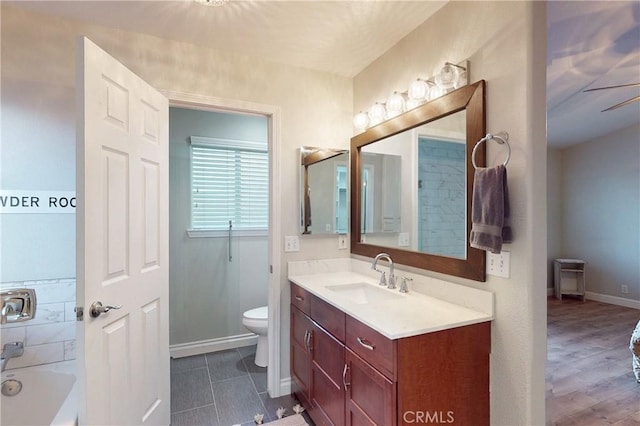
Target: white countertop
[(402, 315)]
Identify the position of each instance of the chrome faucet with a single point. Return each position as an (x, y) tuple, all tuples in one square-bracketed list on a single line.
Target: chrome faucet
[(392, 277), (10, 350)]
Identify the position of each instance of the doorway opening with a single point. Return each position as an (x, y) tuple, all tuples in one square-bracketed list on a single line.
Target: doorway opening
[(224, 286)]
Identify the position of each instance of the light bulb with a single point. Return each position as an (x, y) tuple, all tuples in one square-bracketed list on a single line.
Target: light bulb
[(377, 113), (361, 120), (447, 77), (435, 92), (418, 90), (395, 105)]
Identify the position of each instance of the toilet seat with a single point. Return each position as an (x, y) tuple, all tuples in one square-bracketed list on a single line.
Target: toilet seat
[(260, 313)]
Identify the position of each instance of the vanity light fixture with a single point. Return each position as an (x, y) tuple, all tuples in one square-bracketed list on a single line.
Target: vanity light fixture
[(361, 120), (395, 105), (448, 76), (214, 3), (451, 76), (377, 114), (418, 90)]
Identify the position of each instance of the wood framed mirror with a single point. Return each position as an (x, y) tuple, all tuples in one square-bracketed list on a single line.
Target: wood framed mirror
[(393, 165)]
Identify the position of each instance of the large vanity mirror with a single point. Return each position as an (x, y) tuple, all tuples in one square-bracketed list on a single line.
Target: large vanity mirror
[(323, 190), (411, 184)]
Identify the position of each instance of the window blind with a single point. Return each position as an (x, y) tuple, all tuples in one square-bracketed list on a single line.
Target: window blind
[(229, 182)]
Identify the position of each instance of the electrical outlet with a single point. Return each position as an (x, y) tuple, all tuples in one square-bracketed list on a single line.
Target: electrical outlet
[(498, 264), (291, 243), (624, 289), (342, 241)]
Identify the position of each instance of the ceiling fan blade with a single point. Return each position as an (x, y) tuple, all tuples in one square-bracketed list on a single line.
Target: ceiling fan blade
[(612, 87), (621, 104)]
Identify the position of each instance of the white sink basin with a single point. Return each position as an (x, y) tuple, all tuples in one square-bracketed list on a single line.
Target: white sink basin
[(363, 293)]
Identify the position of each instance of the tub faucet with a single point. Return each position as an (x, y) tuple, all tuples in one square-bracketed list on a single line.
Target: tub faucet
[(392, 277), (10, 350)]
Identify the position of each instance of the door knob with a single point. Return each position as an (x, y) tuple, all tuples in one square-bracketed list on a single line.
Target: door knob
[(97, 308)]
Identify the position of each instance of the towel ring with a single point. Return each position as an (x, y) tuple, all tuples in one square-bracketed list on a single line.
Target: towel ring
[(501, 138)]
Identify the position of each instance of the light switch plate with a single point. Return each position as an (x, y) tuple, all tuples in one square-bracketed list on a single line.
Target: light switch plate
[(342, 242), (498, 264), (291, 243)]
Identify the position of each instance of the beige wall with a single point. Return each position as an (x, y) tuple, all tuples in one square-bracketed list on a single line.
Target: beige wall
[(555, 213), (506, 44), (601, 210)]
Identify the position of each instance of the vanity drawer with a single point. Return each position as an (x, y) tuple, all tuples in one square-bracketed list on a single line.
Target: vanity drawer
[(328, 317), (300, 298), (371, 346)]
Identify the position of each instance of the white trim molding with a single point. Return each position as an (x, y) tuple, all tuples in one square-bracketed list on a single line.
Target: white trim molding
[(274, 113), (613, 300), (212, 345), (286, 385)]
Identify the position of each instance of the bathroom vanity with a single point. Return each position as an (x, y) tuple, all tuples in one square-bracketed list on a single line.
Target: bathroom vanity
[(362, 354)]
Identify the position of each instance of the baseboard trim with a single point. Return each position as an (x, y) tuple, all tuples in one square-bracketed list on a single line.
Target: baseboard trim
[(285, 386), (212, 345), (613, 300)]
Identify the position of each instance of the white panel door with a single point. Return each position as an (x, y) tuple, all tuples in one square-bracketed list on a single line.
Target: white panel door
[(122, 244)]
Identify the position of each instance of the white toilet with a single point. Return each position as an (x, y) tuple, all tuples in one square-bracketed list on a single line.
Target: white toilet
[(256, 320)]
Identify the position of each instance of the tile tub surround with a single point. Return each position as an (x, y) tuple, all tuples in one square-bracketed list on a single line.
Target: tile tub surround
[(431, 304), (51, 335)]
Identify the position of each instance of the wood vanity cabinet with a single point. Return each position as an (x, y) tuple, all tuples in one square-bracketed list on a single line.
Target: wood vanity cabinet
[(346, 373)]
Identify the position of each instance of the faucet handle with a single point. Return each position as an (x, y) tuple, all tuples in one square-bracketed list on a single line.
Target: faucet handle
[(383, 278), (404, 288), (392, 282)]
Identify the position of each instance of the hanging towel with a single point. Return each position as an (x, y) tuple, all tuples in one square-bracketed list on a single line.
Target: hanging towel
[(490, 209)]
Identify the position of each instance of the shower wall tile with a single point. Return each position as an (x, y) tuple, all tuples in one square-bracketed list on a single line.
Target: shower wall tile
[(69, 313), (11, 285), (16, 334), (50, 336), (37, 355), (56, 291), (50, 333), (69, 350)]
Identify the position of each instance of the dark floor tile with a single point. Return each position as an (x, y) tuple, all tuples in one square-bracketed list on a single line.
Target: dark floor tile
[(202, 416), (258, 374), (272, 404), (187, 363), (225, 365), (237, 400), (190, 389), (247, 350)]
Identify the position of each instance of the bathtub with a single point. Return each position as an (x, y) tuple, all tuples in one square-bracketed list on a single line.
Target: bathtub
[(48, 396)]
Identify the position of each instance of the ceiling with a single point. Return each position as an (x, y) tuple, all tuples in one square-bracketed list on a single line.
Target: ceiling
[(590, 43)]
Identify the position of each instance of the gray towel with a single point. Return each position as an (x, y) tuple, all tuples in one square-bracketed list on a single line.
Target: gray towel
[(490, 210)]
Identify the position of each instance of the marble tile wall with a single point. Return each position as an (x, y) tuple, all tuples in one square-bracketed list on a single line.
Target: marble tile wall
[(51, 335)]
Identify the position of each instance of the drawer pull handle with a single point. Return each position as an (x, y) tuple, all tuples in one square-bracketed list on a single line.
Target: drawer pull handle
[(364, 343), (307, 340), (344, 377), (299, 298)]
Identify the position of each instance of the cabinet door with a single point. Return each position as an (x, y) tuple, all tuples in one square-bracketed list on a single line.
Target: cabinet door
[(327, 389), (370, 396), (301, 328)]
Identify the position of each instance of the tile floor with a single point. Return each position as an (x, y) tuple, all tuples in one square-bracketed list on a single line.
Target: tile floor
[(222, 388)]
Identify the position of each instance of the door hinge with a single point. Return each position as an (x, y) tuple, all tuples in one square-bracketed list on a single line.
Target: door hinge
[(271, 269), (79, 310)]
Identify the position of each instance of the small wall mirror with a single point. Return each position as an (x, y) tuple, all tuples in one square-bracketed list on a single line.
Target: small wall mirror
[(411, 185), (324, 177)]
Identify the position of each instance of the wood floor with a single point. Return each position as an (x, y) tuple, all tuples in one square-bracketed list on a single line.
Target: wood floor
[(589, 376)]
